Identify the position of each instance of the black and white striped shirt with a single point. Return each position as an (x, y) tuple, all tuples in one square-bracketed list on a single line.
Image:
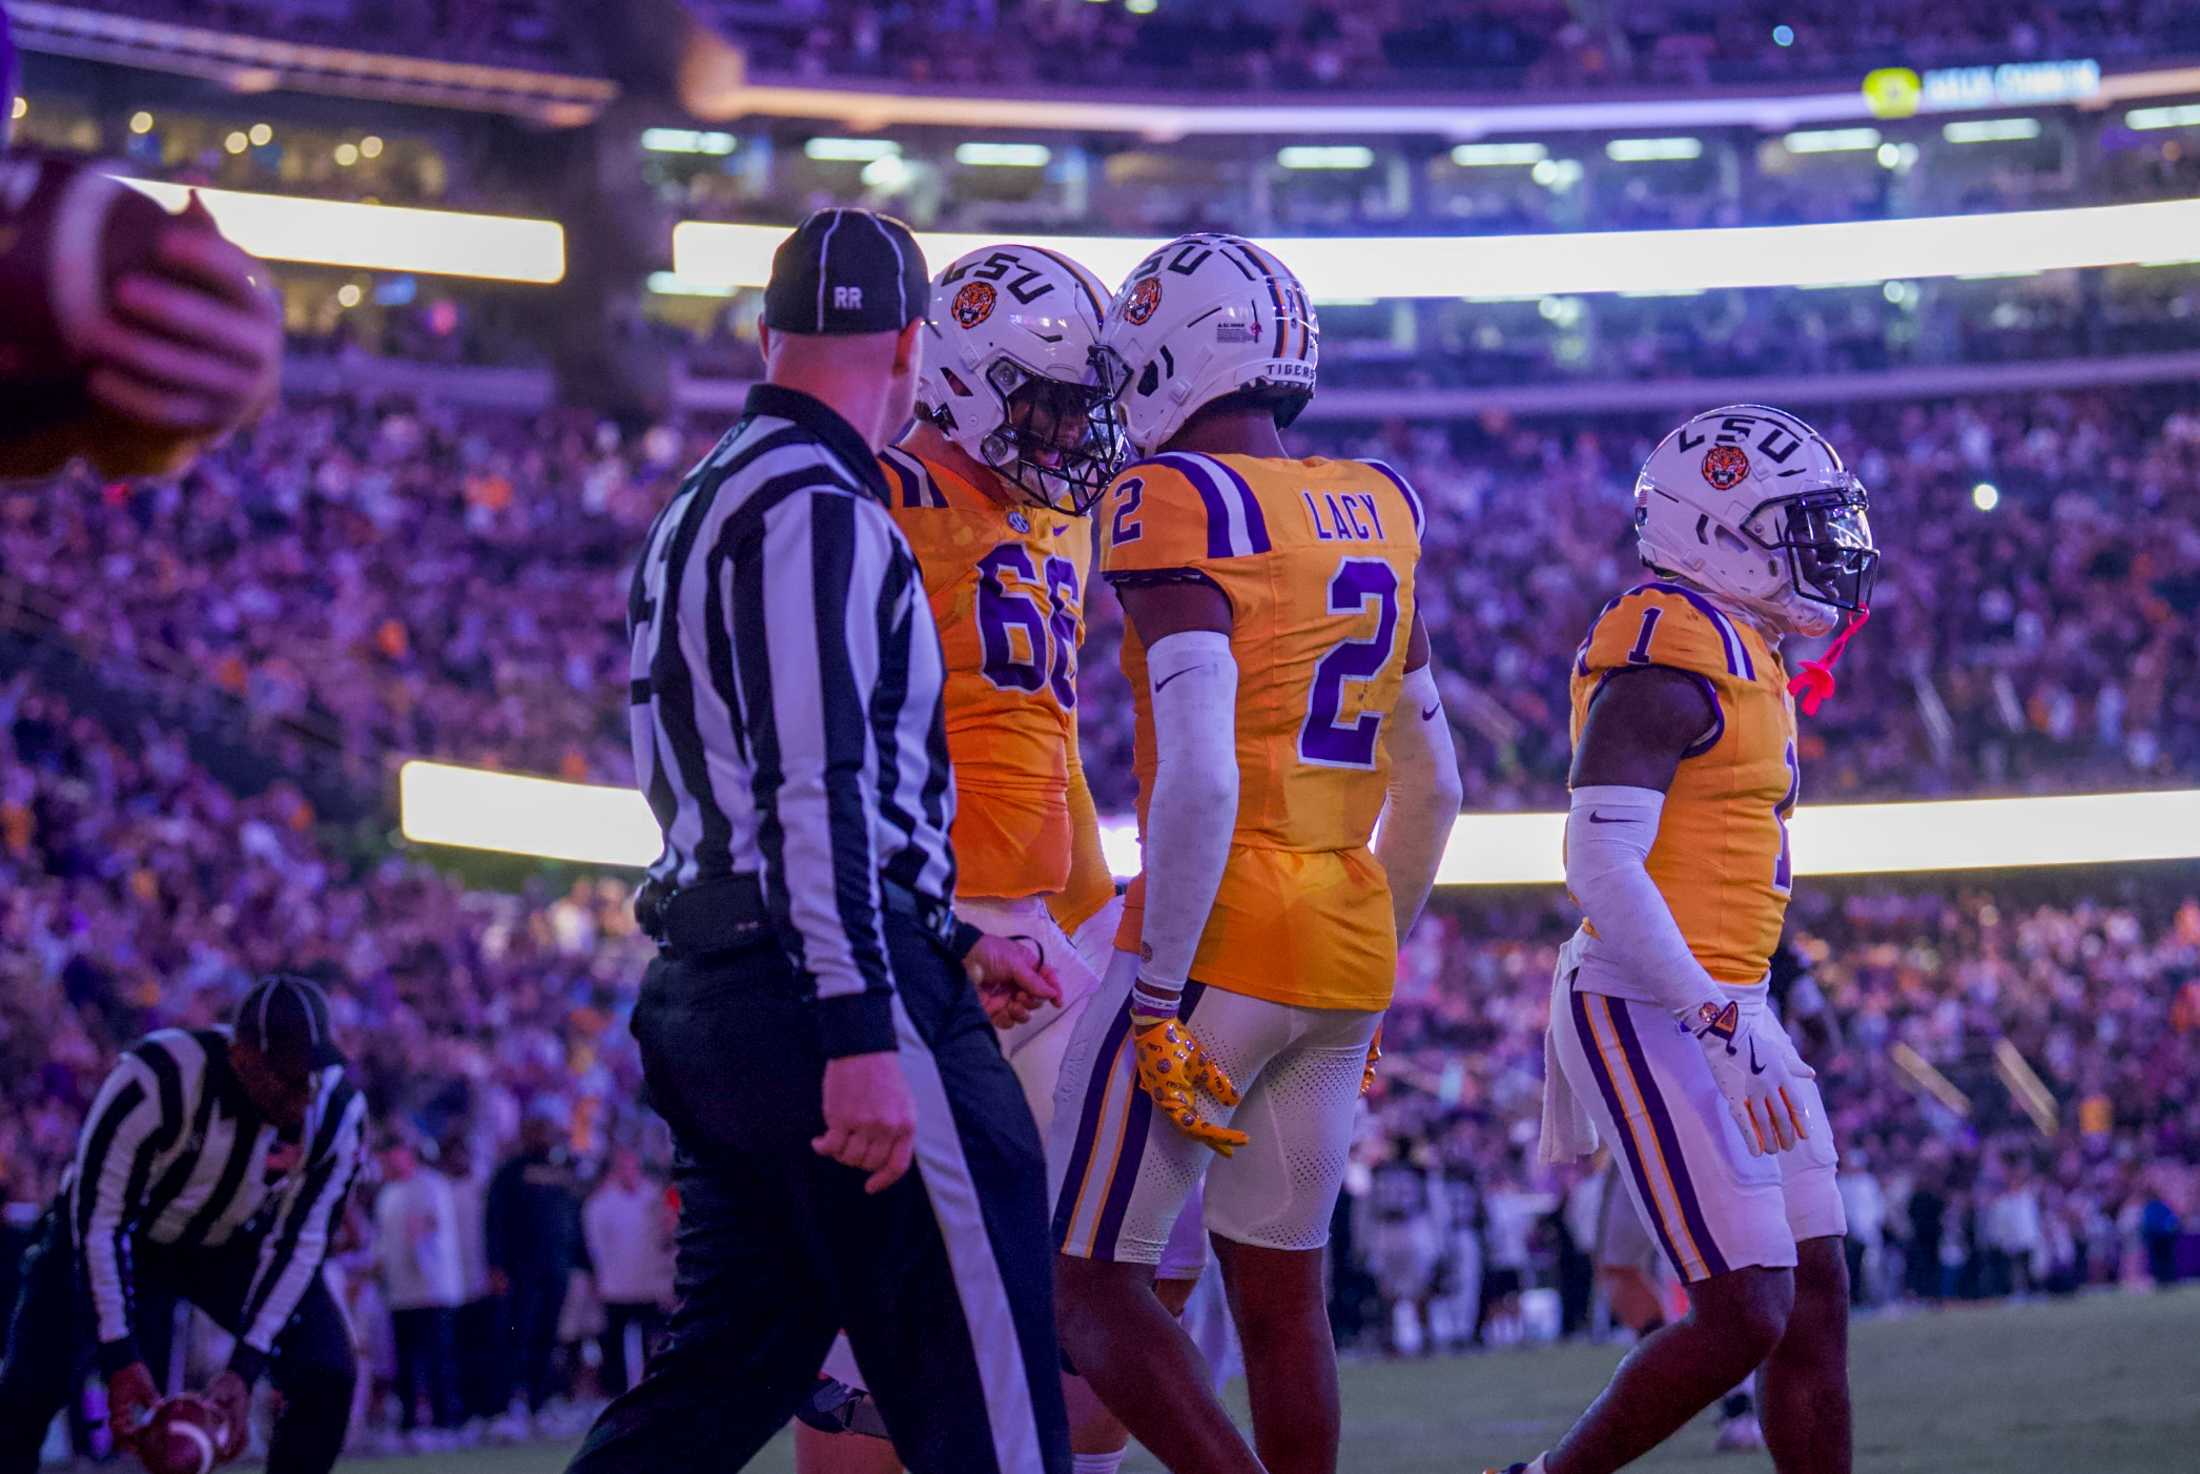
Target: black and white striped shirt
[(788, 687), (174, 1153)]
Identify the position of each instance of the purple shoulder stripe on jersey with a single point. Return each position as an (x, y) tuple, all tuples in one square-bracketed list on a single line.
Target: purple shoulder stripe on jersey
[(1669, 1142), (912, 494), (1625, 1146), (1711, 738), (1581, 656), (1256, 522), (1738, 662), (1229, 527), (935, 495), (1413, 498)]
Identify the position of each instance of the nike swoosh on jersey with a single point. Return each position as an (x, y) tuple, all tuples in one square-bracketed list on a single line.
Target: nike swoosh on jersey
[(1162, 684), (1597, 818), (1430, 714)]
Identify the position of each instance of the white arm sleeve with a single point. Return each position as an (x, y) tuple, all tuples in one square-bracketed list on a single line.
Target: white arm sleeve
[(1423, 800), (1195, 796), (1609, 831)]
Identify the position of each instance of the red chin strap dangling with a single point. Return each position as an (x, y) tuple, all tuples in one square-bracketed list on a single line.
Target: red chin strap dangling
[(1814, 683)]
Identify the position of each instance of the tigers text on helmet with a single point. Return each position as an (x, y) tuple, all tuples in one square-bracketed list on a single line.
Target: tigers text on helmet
[(1204, 317), (1752, 504), (1011, 373)]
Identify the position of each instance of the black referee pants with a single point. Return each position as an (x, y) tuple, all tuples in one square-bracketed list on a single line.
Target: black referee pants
[(52, 1338), (943, 1282)]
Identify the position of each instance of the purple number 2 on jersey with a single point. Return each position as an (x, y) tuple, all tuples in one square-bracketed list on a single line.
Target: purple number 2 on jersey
[(1325, 741)]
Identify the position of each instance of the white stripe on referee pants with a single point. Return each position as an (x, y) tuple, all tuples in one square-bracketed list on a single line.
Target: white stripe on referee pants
[(991, 1321)]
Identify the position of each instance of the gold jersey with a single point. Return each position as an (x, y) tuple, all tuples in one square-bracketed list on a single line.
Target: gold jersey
[(1317, 558), (1006, 585), (1721, 858)]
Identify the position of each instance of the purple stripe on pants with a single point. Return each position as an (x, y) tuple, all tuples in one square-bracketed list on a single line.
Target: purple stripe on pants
[(1661, 1121), (1088, 1124), (1626, 1142)]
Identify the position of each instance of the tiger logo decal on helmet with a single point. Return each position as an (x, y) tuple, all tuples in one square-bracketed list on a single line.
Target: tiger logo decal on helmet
[(1724, 466), (1143, 300), (973, 303)]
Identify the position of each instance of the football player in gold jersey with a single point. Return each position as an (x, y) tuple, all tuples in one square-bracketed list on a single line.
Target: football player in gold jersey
[(1684, 777), (1283, 697), (1014, 440)]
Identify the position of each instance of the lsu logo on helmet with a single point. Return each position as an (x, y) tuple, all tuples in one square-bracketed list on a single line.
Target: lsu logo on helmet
[(1724, 466), (974, 303), (1144, 300)]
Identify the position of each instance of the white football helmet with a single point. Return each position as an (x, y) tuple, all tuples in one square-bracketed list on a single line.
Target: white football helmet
[(1010, 372), (1753, 505), (1206, 316)]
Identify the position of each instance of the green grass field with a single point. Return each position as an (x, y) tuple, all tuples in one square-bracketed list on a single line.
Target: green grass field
[(2103, 1385)]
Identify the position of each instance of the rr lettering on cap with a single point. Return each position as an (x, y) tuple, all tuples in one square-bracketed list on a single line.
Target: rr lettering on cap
[(847, 299)]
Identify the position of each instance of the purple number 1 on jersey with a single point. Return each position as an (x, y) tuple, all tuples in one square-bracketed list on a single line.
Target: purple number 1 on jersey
[(1324, 740)]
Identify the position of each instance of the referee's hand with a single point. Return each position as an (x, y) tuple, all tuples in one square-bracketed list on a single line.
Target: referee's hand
[(870, 1123), (1012, 979)]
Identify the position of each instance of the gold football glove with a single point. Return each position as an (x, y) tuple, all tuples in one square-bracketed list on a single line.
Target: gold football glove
[(1172, 1064)]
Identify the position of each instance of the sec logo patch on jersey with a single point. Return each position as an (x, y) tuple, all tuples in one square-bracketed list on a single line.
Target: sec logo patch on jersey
[(1724, 466), (974, 303)]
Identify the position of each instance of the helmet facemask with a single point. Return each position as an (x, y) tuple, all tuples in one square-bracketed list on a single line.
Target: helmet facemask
[(1827, 537), (1058, 443)]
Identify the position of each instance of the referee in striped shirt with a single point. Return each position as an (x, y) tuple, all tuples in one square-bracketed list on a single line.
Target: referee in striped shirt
[(210, 1170), (853, 1152)]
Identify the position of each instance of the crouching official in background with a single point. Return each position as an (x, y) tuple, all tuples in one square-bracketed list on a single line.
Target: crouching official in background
[(852, 1149), (211, 1167)]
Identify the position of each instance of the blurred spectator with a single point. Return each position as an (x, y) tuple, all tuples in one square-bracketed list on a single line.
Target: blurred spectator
[(478, 1325), (2160, 1226), (628, 1224), (534, 1247), (1866, 1207), (416, 1224)]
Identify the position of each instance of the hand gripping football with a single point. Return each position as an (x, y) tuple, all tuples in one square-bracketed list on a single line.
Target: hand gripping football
[(184, 1436)]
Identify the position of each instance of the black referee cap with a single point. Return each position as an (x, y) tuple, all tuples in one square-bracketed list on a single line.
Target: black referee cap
[(286, 1018), (847, 271)]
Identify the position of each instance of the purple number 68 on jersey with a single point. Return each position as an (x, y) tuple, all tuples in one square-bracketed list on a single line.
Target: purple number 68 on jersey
[(1324, 740), (1048, 658)]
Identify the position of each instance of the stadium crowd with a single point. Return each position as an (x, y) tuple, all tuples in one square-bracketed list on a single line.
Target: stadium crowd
[(430, 581), (1477, 44), (522, 33)]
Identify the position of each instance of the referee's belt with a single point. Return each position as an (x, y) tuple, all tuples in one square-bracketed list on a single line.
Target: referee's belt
[(728, 914), (706, 919)]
